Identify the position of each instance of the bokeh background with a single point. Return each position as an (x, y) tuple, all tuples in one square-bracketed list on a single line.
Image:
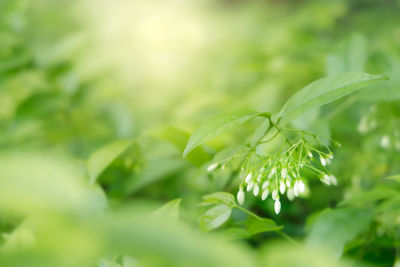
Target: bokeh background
[(78, 75)]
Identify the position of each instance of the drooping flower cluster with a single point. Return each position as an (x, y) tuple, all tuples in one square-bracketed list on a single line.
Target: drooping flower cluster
[(280, 174)]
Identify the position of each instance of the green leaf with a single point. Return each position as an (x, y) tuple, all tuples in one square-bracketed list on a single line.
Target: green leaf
[(365, 198), (263, 225), (326, 90), (335, 228), (219, 197), (217, 125), (170, 210), (394, 178), (234, 233), (179, 139), (215, 217), (102, 158)]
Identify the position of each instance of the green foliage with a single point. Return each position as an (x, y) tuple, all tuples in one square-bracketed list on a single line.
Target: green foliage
[(100, 166), (217, 125), (326, 90), (103, 157)]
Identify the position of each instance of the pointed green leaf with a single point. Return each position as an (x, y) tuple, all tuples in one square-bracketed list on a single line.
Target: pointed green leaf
[(103, 157), (215, 217), (335, 228), (219, 197), (170, 210), (216, 126), (263, 225), (326, 90)]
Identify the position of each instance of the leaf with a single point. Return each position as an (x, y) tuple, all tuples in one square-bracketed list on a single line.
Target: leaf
[(394, 178), (334, 228), (108, 263), (102, 158), (219, 197), (217, 125), (263, 225), (234, 233), (365, 198), (155, 170), (170, 210), (215, 217), (179, 139), (326, 90)]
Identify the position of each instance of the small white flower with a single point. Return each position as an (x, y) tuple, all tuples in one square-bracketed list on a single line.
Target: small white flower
[(290, 194), (259, 177), (277, 206), (296, 188), (301, 186), (282, 187), (274, 194), (288, 183), (283, 173), (385, 141), (265, 194), (326, 179), (265, 185), (248, 178), (333, 180), (212, 167), (272, 172), (240, 196), (256, 189), (323, 161), (250, 186), (363, 125), (310, 154), (330, 156), (262, 169)]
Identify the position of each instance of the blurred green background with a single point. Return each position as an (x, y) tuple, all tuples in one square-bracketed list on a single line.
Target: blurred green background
[(98, 100)]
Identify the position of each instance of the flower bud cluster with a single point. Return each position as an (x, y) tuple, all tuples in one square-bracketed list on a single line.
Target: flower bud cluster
[(280, 174)]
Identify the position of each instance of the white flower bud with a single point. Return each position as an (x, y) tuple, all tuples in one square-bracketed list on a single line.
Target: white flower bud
[(240, 196), (274, 194), (301, 186), (333, 180), (363, 125), (296, 188), (277, 206), (290, 194), (326, 179), (248, 178), (288, 183), (323, 161), (256, 189), (265, 194), (250, 186), (272, 172), (259, 177), (212, 167), (310, 154), (385, 141), (282, 187), (265, 185), (283, 173)]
